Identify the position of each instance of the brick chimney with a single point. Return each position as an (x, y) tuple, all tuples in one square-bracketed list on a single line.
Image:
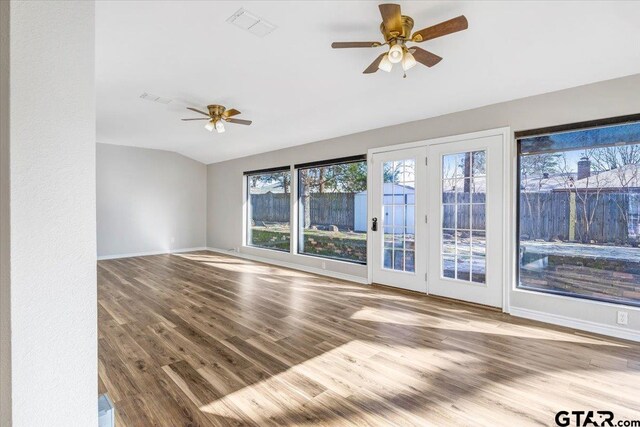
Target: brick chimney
[(584, 168)]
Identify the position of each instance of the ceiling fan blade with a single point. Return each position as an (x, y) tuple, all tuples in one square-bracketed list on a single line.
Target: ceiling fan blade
[(442, 29), (391, 17), (231, 112), (374, 65), (343, 45), (198, 111), (204, 118), (239, 121), (425, 57)]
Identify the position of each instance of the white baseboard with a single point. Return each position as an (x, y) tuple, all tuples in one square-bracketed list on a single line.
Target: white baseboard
[(294, 266), (583, 325), (131, 255)]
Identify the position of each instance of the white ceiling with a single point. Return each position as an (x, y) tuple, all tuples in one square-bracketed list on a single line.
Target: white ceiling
[(296, 89)]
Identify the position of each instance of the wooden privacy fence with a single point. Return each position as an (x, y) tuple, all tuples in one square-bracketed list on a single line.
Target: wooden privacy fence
[(602, 218), (270, 207), (326, 208), (583, 217)]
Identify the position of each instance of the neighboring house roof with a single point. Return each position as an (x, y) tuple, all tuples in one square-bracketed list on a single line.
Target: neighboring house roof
[(391, 188), (546, 183), (625, 177), (275, 187)]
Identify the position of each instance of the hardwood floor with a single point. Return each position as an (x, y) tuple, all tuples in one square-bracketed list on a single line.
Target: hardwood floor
[(202, 339)]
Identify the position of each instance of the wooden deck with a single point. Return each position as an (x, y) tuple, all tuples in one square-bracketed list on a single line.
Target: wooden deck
[(203, 339)]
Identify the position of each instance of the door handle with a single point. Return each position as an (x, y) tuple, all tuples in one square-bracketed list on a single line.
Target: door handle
[(374, 224)]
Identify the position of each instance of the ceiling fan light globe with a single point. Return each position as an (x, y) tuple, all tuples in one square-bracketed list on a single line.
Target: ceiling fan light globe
[(395, 54), (219, 126), (210, 126), (408, 61), (385, 64)]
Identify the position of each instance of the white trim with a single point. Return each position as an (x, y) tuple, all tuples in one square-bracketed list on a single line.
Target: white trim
[(294, 233), (245, 209), (370, 235), (584, 325), (502, 131), (131, 255), (510, 257), (293, 266)]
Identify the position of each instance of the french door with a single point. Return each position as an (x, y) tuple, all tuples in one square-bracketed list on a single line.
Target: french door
[(466, 201), (439, 223), (398, 202)]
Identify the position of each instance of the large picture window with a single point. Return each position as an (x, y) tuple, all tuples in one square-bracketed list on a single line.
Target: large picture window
[(579, 213), (333, 209), (268, 209)]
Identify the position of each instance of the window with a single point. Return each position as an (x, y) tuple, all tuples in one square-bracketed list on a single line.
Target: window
[(268, 209), (398, 223), (464, 191), (579, 213), (333, 209)]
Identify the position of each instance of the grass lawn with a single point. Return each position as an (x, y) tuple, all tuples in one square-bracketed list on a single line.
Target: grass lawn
[(349, 246)]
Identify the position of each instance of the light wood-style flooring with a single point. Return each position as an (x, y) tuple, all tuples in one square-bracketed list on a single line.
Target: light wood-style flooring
[(203, 339)]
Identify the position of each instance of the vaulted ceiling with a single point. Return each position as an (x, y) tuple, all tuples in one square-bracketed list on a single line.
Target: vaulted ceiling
[(297, 90)]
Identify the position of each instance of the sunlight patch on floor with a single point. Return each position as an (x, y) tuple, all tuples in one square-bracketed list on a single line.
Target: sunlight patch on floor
[(326, 369), (255, 269), (243, 266), (406, 318), (378, 296), (213, 258), (271, 280)]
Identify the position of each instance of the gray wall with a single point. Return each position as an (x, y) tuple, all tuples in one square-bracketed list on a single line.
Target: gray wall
[(149, 201), (594, 101), (604, 99)]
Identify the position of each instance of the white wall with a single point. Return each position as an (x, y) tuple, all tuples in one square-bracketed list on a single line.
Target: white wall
[(49, 270), (600, 100), (149, 201)]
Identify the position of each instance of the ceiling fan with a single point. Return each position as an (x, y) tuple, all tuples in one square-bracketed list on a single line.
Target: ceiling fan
[(396, 29), (216, 117)]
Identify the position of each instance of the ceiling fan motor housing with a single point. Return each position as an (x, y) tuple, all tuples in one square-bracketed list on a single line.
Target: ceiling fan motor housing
[(215, 110), (405, 33)]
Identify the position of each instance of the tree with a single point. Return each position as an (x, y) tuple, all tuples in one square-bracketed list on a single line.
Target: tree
[(390, 174), (622, 166), (534, 168), (609, 158), (588, 193), (283, 179), (341, 178), (537, 165)]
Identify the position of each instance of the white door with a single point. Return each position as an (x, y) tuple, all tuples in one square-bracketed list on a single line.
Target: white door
[(465, 212), (398, 201)]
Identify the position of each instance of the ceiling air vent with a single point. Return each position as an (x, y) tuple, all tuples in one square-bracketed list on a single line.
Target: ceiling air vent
[(154, 98), (250, 22)]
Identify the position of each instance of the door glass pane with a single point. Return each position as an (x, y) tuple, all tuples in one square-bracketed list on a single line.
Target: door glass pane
[(463, 222), (388, 258), (449, 266), (398, 222)]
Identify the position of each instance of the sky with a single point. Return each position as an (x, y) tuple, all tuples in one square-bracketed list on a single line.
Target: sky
[(572, 144)]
